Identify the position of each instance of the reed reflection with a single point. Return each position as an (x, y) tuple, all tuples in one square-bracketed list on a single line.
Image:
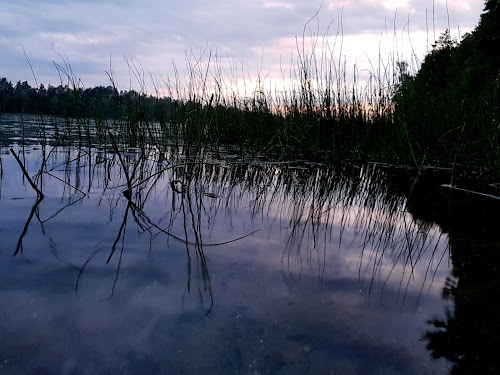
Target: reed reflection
[(319, 204), (316, 204)]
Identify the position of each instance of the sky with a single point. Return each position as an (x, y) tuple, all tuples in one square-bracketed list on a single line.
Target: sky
[(147, 44)]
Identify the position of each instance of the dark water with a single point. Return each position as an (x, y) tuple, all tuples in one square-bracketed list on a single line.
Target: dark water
[(237, 266)]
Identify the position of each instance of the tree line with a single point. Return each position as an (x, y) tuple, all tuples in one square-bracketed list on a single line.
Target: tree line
[(98, 102)]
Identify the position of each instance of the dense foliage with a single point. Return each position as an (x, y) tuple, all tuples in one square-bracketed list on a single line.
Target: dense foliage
[(450, 107)]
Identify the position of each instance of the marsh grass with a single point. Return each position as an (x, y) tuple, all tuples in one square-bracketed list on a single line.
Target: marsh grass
[(320, 109), (323, 113), (319, 115)]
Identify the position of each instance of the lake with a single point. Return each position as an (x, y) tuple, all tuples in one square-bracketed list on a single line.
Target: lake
[(150, 261)]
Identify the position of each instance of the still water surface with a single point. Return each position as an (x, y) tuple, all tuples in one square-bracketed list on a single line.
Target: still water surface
[(223, 266)]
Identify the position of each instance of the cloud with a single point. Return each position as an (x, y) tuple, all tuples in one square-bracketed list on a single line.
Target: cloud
[(89, 33)]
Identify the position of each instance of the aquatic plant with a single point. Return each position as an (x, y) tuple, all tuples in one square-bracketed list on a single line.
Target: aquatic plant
[(442, 113)]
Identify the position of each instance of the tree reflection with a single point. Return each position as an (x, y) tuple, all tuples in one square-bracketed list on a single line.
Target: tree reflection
[(468, 335)]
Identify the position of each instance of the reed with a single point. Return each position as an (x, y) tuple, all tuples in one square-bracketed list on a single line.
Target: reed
[(322, 114), (323, 111)]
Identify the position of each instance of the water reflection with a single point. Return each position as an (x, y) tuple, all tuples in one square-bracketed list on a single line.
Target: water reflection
[(469, 334), (308, 203), (289, 267)]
